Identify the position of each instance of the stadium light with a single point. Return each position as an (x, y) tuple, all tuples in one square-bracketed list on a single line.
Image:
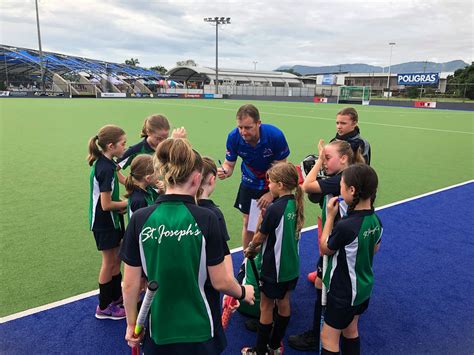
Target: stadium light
[(391, 44), (40, 49), (255, 65), (216, 21)]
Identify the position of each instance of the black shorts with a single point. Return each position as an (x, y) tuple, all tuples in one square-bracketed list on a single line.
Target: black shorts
[(277, 290), (213, 346), (244, 197), (340, 318), (106, 240)]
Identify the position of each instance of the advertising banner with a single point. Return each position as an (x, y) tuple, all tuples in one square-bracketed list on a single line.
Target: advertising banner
[(18, 93), (113, 94), (323, 100), (4, 93), (418, 79), (425, 104), (165, 95), (329, 79)]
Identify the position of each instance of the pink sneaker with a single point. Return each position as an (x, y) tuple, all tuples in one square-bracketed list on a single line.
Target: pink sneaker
[(112, 311), (119, 302)]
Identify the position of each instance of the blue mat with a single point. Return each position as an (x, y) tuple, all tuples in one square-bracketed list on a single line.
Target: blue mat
[(424, 284)]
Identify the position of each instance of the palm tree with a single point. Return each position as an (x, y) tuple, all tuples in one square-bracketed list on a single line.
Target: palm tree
[(132, 61)]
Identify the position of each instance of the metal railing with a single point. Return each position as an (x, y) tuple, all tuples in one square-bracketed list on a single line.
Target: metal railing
[(450, 93)]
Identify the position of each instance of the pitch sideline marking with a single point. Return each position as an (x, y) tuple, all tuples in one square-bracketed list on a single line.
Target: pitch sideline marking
[(324, 118), (441, 112), (81, 296)]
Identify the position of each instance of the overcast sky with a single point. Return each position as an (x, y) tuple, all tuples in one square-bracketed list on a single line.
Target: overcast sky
[(270, 32)]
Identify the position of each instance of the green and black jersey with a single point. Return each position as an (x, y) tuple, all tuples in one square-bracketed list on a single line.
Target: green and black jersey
[(103, 178), (140, 198), (330, 188), (174, 241), (280, 254), (349, 277), (209, 204), (141, 147)]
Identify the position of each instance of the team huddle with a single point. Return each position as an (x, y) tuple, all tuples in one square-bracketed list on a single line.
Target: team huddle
[(177, 236)]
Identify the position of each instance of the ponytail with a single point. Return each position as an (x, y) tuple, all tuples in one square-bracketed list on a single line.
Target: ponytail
[(129, 185), (209, 167), (107, 134), (175, 160), (344, 148), (141, 167), (355, 201), (358, 157), (299, 199), (94, 151)]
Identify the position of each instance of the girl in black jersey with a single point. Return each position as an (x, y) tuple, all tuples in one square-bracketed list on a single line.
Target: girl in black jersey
[(104, 220), (179, 245), (156, 129), (334, 158), (351, 245), (278, 237), (140, 184), (208, 184)]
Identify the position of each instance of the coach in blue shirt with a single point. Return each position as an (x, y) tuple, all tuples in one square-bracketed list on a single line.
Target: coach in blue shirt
[(259, 145)]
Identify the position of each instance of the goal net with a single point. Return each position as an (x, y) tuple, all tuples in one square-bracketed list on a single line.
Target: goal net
[(353, 95)]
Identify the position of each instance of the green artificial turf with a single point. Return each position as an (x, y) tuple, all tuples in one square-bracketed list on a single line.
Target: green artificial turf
[(47, 252)]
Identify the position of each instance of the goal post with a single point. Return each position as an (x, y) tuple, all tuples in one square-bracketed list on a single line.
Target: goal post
[(354, 95)]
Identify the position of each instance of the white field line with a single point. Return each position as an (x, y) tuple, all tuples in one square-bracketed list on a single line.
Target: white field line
[(322, 107), (45, 307), (323, 118), (95, 292)]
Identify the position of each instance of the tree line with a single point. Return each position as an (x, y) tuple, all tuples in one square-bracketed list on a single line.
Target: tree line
[(159, 68)]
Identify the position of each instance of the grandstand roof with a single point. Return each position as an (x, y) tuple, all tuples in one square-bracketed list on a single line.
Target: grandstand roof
[(16, 60), (206, 74)]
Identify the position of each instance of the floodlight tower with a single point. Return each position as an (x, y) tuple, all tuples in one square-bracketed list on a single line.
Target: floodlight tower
[(40, 49), (391, 44), (255, 65), (216, 21)]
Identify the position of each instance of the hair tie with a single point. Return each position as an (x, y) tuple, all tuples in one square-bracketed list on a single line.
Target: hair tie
[(96, 137)]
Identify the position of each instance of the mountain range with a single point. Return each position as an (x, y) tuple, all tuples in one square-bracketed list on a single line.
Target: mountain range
[(409, 67)]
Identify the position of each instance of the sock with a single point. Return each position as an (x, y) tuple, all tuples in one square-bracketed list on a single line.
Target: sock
[(117, 286), (279, 328), (263, 336), (105, 294), (327, 352), (318, 309), (350, 346)]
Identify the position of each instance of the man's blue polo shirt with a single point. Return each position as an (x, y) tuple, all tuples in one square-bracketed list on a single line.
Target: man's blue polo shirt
[(257, 160)]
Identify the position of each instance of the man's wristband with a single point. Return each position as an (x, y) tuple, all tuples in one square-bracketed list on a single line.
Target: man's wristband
[(243, 293)]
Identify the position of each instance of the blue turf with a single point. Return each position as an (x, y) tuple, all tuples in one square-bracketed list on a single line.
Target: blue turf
[(421, 302)]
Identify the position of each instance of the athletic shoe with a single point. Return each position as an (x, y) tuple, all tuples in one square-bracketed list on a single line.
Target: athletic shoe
[(119, 302), (312, 276), (112, 311), (252, 324), (278, 351), (304, 342), (249, 351)]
